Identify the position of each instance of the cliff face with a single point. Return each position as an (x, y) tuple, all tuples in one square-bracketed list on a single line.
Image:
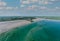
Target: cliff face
[(44, 30)]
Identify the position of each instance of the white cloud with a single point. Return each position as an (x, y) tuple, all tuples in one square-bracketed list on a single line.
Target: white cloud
[(53, 9), (22, 5), (8, 8), (1, 8), (43, 8), (3, 4), (57, 7), (34, 0), (28, 1), (53, 0), (38, 1), (11, 8), (25, 2), (45, 2), (33, 7)]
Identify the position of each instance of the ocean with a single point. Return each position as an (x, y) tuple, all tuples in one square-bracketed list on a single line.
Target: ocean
[(43, 30)]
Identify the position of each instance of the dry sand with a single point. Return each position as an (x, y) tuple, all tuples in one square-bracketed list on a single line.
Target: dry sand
[(4, 26)]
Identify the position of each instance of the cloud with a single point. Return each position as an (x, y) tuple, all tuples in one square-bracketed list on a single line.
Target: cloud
[(28, 1), (36, 8), (33, 3), (3, 4), (40, 2), (57, 7), (39, 5), (43, 2), (1, 8), (53, 0), (34, 0), (43, 8), (22, 5), (32, 7), (8, 8), (25, 2)]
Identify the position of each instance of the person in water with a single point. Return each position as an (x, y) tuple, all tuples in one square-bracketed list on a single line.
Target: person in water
[(45, 30)]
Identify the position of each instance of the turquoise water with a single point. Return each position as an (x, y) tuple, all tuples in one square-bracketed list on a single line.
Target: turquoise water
[(44, 30)]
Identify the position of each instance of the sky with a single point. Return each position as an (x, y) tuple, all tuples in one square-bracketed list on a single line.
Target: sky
[(29, 7)]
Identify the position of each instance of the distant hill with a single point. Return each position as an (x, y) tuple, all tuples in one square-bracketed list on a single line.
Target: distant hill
[(9, 18)]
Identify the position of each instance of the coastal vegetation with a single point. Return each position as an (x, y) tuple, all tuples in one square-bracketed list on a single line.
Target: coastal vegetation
[(29, 18)]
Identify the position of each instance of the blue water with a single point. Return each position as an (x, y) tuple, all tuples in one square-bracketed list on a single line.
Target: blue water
[(43, 30)]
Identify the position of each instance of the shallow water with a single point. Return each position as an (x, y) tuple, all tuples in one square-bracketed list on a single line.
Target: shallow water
[(44, 30)]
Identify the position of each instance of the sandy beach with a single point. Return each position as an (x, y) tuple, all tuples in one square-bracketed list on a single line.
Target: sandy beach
[(5, 26)]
